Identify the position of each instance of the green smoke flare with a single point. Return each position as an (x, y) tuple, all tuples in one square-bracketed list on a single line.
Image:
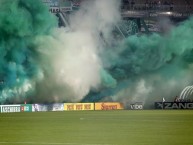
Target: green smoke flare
[(138, 67), (162, 64), (21, 21)]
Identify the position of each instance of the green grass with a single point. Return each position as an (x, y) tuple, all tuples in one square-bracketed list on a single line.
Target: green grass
[(147, 127)]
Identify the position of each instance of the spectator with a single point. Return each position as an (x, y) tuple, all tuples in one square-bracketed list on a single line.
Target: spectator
[(146, 5), (132, 4), (171, 6), (176, 99)]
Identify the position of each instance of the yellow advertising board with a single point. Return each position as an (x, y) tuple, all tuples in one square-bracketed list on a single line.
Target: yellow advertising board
[(109, 106), (78, 106)]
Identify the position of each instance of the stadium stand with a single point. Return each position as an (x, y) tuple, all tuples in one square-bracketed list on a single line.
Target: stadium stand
[(158, 5)]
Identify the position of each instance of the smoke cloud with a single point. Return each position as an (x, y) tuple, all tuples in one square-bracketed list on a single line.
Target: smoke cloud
[(21, 22), (154, 66), (48, 63), (43, 63)]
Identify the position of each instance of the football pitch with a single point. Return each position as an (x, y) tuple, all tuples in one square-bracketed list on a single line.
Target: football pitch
[(145, 127)]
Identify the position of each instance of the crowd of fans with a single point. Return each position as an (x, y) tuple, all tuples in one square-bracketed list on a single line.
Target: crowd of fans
[(76, 2), (169, 5), (178, 99), (159, 5), (156, 5)]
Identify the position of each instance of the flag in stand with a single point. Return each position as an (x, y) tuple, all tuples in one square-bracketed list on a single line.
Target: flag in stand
[(163, 100)]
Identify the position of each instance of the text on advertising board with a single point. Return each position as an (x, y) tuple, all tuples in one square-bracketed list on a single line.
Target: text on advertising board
[(108, 106), (174, 105), (78, 106), (11, 108)]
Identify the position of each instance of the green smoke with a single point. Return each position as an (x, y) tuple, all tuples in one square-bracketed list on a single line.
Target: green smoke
[(38, 59), (21, 21), (148, 54), (154, 66)]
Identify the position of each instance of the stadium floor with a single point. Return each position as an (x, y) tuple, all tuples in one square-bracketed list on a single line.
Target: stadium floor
[(145, 127)]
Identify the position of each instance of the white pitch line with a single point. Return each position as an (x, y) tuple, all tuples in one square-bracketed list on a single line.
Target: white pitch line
[(45, 143)]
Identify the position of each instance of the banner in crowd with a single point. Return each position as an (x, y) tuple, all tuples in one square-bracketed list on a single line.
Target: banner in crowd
[(173, 105), (47, 107), (78, 106), (16, 108), (109, 106)]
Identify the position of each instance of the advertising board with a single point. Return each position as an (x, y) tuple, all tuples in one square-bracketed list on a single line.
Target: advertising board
[(137, 106), (16, 108), (26, 107), (10, 108), (47, 107), (56, 107), (39, 107), (78, 106), (173, 105), (109, 106)]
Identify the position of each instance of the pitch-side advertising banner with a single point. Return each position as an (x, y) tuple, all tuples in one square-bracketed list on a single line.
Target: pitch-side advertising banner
[(137, 106), (26, 107), (57, 107), (173, 105), (47, 107), (10, 108), (109, 106), (39, 107), (78, 106), (16, 108)]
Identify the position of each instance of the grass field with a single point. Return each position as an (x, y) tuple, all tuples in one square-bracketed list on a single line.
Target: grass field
[(147, 127)]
